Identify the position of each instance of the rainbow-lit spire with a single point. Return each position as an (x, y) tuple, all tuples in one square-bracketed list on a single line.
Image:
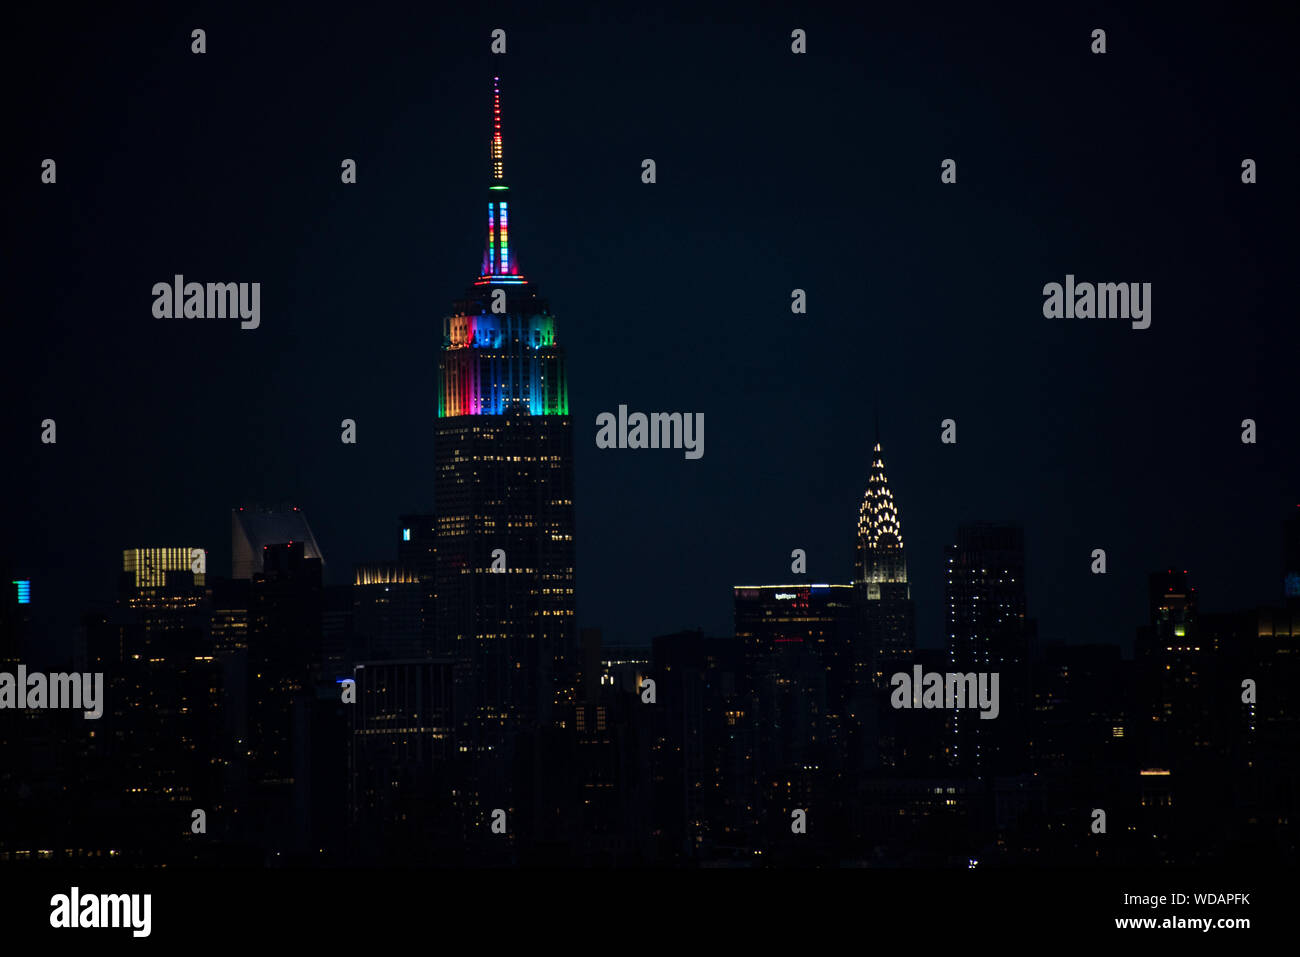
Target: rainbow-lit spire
[(498, 165), (496, 362), (499, 264)]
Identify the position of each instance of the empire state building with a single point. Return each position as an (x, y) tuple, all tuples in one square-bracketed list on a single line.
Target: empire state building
[(504, 491)]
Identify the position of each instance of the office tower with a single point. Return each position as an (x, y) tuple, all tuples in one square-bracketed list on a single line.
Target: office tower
[(611, 730), (230, 601), (252, 530), (148, 567), (1081, 696), (168, 601), (322, 774), (800, 638), (387, 601), (284, 651), (404, 801), (887, 615), (417, 546), (1172, 688), (1175, 666), (417, 551), (797, 642), (162, 738), (15, 621), (504, 490), (987, 633), (340, 649), (701, 745)]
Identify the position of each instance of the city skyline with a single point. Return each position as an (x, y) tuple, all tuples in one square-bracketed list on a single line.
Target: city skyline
[(367, 572), (991, 560)]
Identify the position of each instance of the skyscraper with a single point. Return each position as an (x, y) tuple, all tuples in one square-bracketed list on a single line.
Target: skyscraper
[(798, 655), (1175, 664), (504, 489), (888, 617), (148, 567), (162, 738), (885, 636), (15, 620), (417, 551), (403, 793), (252, 530), (284, 645), (988, 632), (386, 612)]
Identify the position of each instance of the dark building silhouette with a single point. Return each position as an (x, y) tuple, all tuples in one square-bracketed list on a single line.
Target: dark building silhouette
[(162, 748), (612, 730), (1083, 751), (15, 620), (705, 785), (988, 632), (284, 655), (387, 612), (403, 755), (800, 645), (417, 551), (1175, 661), (340, 646)]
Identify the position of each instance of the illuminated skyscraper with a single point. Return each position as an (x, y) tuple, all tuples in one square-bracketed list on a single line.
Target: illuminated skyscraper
[(880, 579), (880, 533), (504, 490)]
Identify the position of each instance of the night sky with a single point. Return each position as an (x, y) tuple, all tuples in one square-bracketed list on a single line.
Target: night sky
[(775, 172)]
